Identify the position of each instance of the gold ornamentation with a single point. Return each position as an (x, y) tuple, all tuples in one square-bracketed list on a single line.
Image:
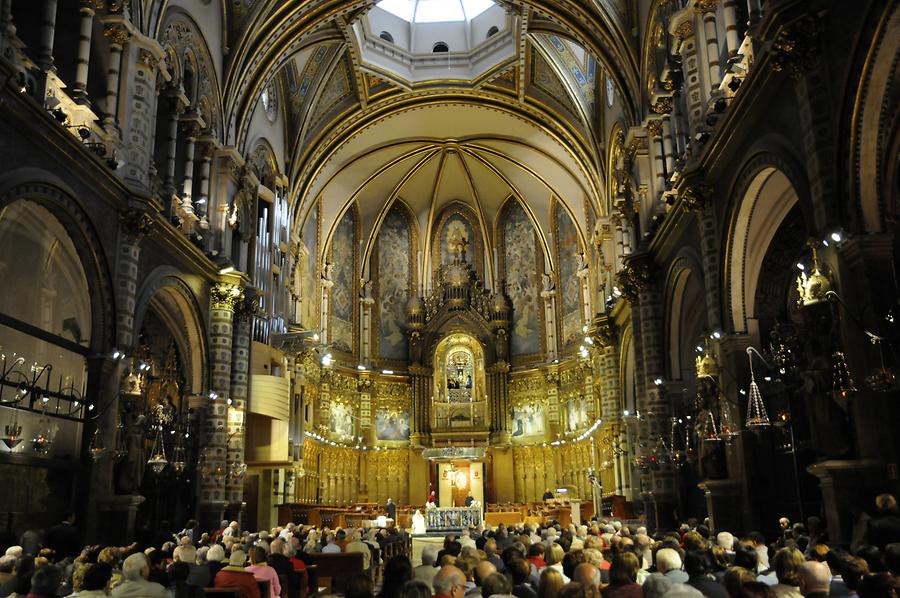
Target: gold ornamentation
[(602, 331), (135, 223), (633, 278), (706, 6), (226, 295), (93, 4), (147, 58), (654, 127), (662, 105), (796, 48), (694, 198), (116, 34), (707, 364), (814, 286), (684, 30)]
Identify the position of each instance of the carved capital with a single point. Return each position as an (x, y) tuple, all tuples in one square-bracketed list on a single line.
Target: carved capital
[(684, 30), (602, 331), (225, 295), (633, 278), (654, 127), (148, 59), (662, 105), (695, 198), (134, 223), (247, 307), (92, 5), (116, 34)]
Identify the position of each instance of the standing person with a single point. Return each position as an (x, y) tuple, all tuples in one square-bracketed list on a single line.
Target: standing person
[(62, 538), (391, 510)]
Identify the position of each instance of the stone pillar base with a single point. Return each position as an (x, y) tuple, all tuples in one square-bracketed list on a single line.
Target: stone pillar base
[(843, 483), (723, 504), (118, 514), (235, 512), (210, 515), (660, 512)]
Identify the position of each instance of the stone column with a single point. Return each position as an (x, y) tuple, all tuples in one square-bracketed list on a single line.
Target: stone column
[(841, 483), (654, 132), (7, 29), (224, 296), (206, 147), (709, 251), (117, 36), (682, 28), (142, 70), (729, 13), (668, 145), (48, 32), (549, 297), (85, 32), (237, 411), (191, 132), (133, 225), (708, 8), (172, 142), (660, 492)]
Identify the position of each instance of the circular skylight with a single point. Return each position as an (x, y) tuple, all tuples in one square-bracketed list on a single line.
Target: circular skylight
[(435, 11)]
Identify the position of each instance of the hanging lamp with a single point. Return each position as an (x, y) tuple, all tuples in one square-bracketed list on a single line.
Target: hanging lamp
[(756, 408)]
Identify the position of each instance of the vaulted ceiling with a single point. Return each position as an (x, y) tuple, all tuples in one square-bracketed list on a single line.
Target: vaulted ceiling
[(527, 126)]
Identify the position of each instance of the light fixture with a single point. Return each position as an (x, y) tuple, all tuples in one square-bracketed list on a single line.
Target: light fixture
[(13, 436), (326, 359), (388, 372), (756, 408), (226, 270), (658, 381), (96, 447), (157, 460), (836, 237), (800, 266), (361, 368)]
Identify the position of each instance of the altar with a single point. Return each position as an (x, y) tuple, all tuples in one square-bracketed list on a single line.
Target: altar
[(452, 518)]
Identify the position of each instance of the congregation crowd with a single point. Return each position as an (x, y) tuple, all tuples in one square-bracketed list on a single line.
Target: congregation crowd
[(605, 557)]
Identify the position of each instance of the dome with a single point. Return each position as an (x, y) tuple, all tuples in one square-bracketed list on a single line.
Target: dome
[(435, 11)]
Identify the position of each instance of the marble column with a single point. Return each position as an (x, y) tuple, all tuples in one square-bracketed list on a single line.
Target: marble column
[(117, 35), (708, 8), (237, 411), (420, 422), (224, 296), (85, 32), (729, 14), (44, 58)]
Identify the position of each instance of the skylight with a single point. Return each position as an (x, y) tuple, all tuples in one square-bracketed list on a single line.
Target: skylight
[(435, 11)]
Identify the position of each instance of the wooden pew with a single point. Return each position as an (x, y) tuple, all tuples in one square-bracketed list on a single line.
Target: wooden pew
[(335, 568)]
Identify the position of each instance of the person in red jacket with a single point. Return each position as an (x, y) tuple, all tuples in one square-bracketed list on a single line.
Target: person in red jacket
[(235, 576)]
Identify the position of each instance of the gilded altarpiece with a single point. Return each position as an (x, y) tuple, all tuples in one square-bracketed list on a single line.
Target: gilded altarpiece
[(339, 405), (387, 475), (521, 265), (457, 230)]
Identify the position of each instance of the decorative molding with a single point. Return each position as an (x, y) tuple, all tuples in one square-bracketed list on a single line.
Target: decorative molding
[(796, 47), (226, 295)]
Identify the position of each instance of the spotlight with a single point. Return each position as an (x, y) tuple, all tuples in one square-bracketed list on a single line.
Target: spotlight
[(720, 105), (84, 133), (59, 115), (712, 119), (702, 137), (800, 266), (626, 413), (658, 381), (361, 368), (735, 84), (837, 237)]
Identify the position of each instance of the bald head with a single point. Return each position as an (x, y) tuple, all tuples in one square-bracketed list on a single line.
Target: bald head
[(587, 575), (483, 570), (814, 577), (446, 578)]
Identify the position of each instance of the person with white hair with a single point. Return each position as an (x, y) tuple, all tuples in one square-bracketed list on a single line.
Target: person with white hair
[(330, 546), (725, 540), (232, 531), (135, 570), (668, 562), (426, 571), (15, 551), (815, 579), (185, 553), (356, 544), (235, 576), (465, 539)]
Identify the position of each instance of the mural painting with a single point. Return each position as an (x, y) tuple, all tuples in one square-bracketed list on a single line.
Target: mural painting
[(576, 414), (568, 249), (341, 422), (457, 237), (522, 283), (309, 272), (391, 425), (528, 420), (342, 295), (394, 250)]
